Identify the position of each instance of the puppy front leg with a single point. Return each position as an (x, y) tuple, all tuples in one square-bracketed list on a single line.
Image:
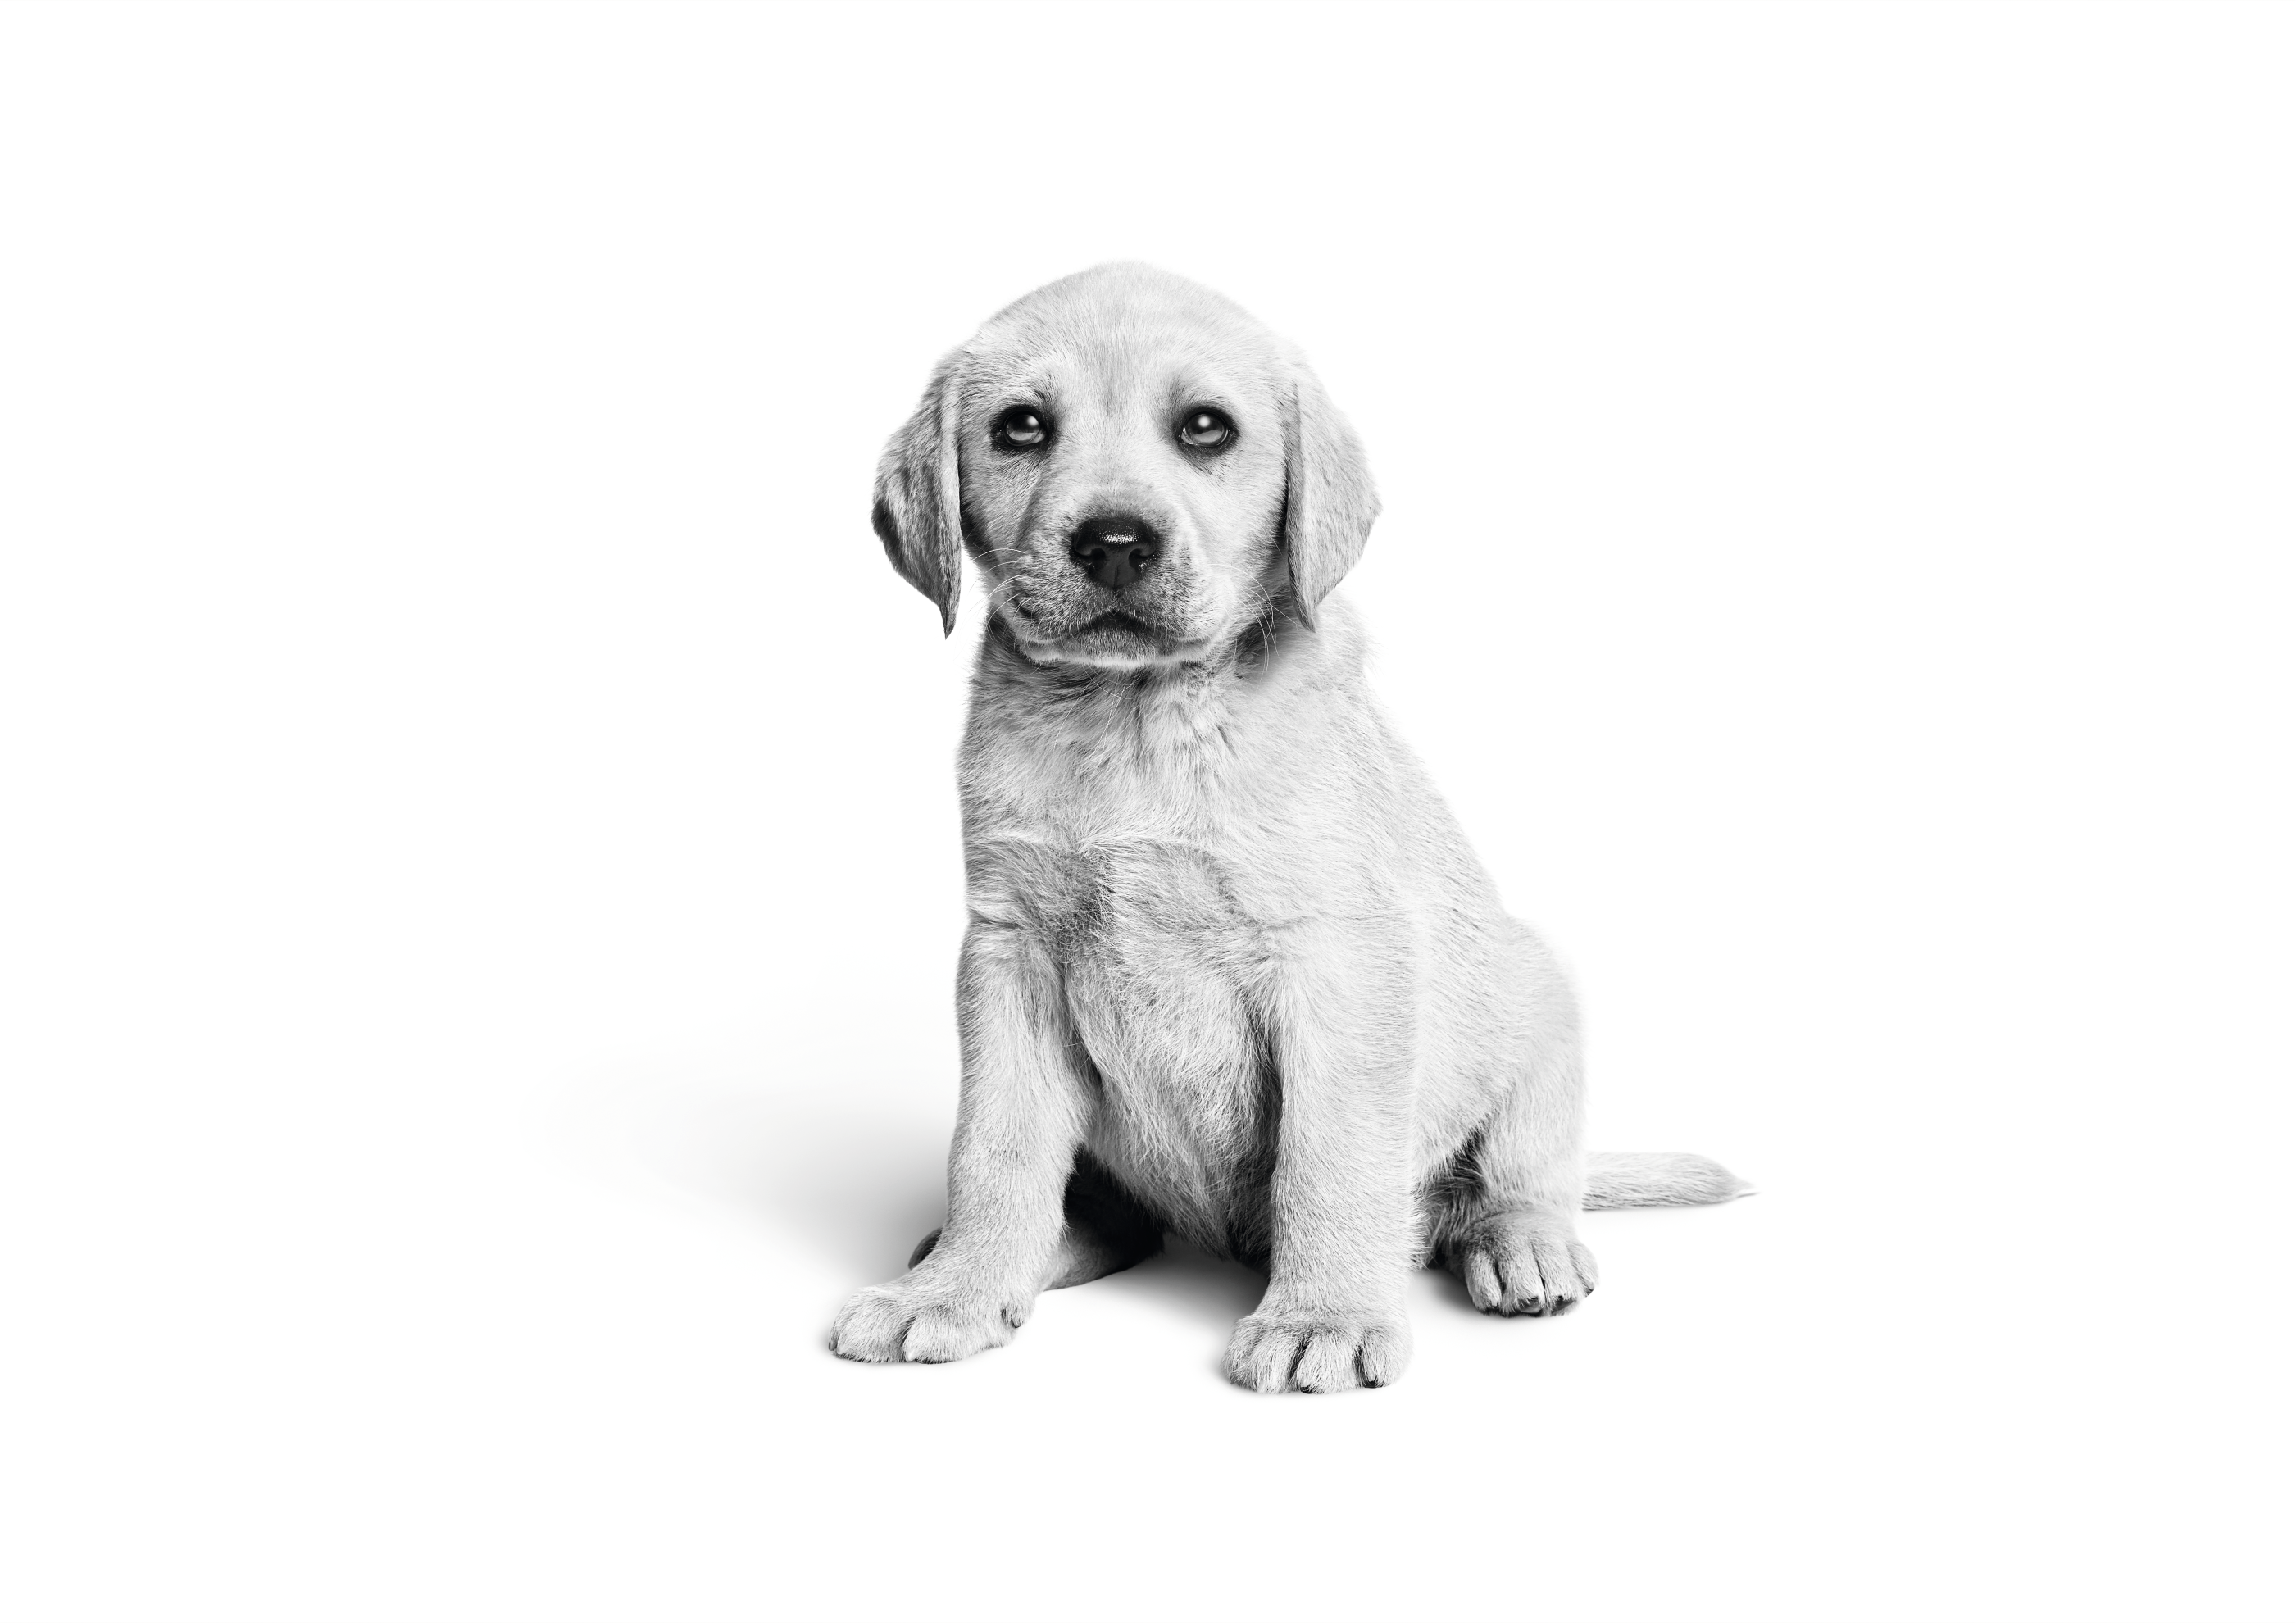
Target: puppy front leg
[(1344, 1239), (1020, 1119)]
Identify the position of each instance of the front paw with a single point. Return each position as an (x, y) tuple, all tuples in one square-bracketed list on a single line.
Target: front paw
[(1521, 1262), (1309, 1349), (911, 1321)]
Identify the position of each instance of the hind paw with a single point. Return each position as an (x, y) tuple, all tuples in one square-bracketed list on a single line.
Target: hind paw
[(1522, 1263)]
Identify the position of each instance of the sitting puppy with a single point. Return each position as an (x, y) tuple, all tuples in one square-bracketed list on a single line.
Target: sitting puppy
[(1231, 971)]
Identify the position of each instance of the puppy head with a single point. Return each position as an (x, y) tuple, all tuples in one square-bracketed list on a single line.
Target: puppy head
[(1140, 470)]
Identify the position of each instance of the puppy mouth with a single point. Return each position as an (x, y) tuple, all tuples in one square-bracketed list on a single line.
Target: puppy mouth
[(1116, 620), (1112, 637), (1115, 632)]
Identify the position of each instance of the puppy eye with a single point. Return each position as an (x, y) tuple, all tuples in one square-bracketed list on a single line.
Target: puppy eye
[(1023, 429), (1205, 429)]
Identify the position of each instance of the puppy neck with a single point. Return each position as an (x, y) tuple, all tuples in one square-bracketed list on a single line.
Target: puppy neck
[(1170, 727)]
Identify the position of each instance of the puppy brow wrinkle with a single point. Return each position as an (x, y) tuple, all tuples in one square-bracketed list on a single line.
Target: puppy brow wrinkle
[(1231, 969)]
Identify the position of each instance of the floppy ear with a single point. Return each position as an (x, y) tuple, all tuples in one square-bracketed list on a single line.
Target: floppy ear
[(916, 515), (1328, 500)]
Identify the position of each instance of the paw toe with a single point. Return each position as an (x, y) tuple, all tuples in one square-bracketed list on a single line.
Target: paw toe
[(1263, 1358), (1327, 1364), (941, 1335), (1381, 1358), (1481, 1274), (871, 1329)]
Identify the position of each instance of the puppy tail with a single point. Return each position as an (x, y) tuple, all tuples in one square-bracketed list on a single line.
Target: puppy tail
[(1659, 1180)]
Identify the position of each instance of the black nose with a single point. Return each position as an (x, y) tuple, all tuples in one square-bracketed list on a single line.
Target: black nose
[(1115, 550)]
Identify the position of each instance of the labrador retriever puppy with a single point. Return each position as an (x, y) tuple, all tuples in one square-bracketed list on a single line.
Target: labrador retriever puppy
[(1231, 971)]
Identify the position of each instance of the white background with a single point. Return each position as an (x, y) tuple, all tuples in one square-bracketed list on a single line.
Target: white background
[(479, 875)]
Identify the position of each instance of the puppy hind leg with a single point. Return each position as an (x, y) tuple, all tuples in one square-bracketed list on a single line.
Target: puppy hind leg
[(1508, 1227), (1107, 1230)]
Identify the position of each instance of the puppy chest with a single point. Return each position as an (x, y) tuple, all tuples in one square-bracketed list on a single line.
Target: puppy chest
[(1157, 968)]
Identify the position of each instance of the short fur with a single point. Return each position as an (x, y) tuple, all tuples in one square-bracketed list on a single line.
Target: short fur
[(1231, 971)]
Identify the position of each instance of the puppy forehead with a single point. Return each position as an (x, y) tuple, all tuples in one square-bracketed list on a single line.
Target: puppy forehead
[(1117, 336), (1115, 379)]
